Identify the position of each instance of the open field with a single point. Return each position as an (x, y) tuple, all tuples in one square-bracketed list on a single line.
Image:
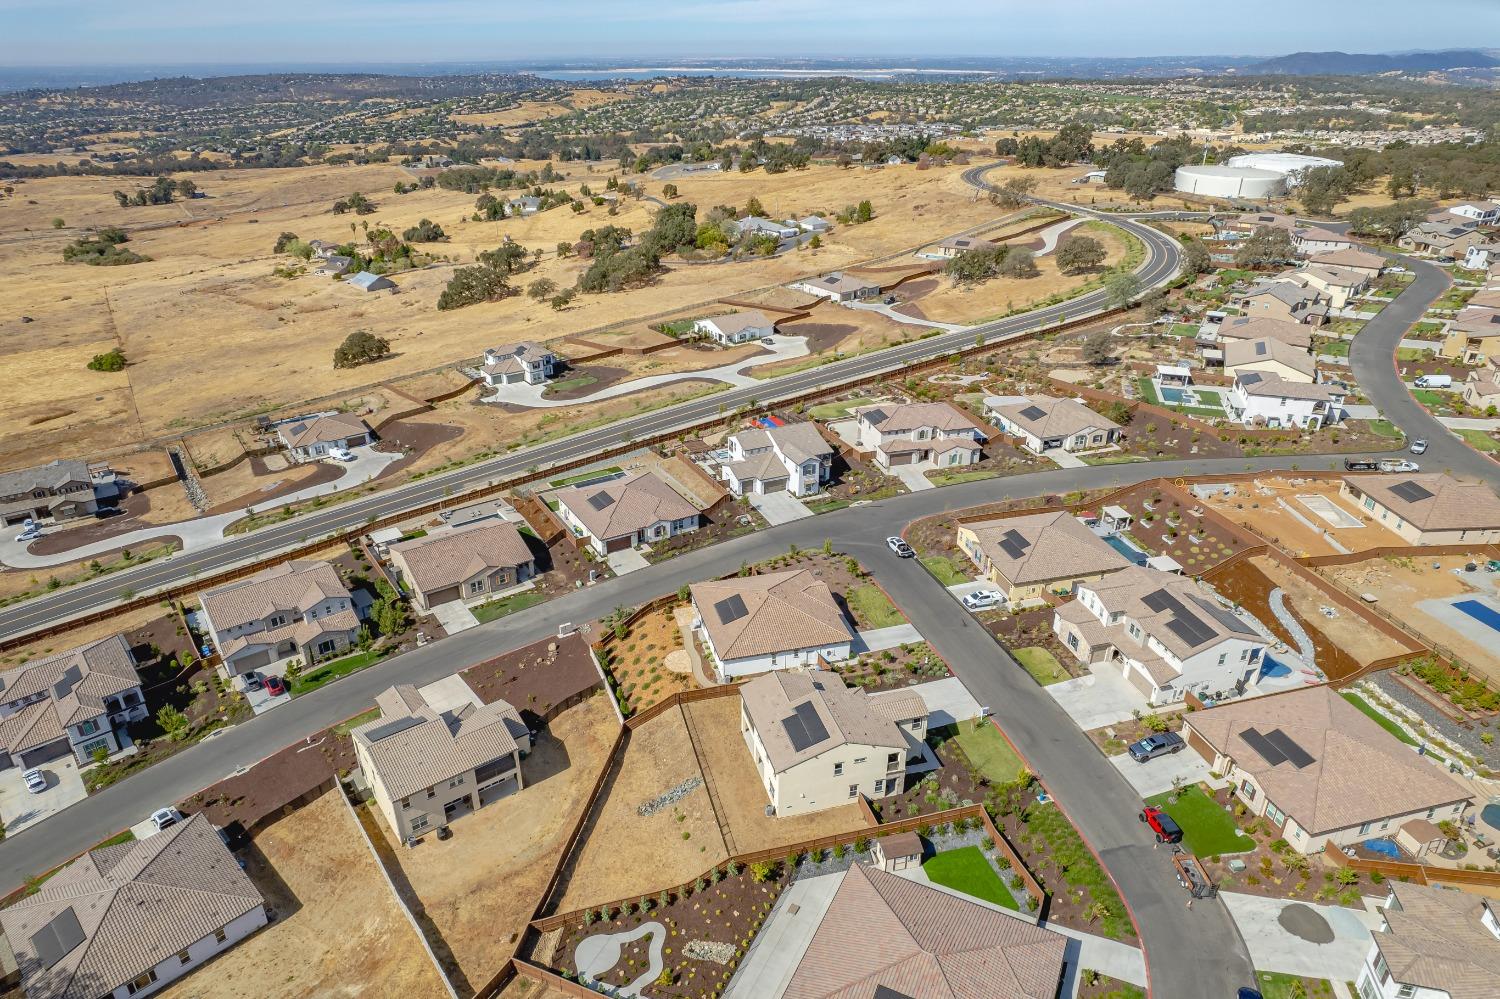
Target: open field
[(1263, 507), (337, 930)]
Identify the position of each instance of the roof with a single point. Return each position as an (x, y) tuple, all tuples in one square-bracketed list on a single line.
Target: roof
[(1178, 612), (1335, 276), (1042, 547), (451, 557), (912, 416), (321, 429), (1044, 416), (412, 747), (1265, 328), (1477, 321), (885, 936), (823, 715), (1434, 501), (1353, 771), (738, 322), (774, 612), (1288, 292), (125, 909), (839, 283), (623, 506), (1350, 257), (76, 682), (800, 441), (52, 476), (515, 357), (297, 585), (1242, 352), (902, 844), (1260, 383), (1484, 383), (370, 282), (966, 243), (1435, 938), (1319, 235)]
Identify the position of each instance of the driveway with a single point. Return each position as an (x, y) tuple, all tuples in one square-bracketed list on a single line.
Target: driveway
[(1297, 938), (880, 639), (1104, 697), (627, 561), (780, 507), (948, 701), (914, 477), (20, 808), (1155, 776), (454, 616), (772, 959), (451, 693)]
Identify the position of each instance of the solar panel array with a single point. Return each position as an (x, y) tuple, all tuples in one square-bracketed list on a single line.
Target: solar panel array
[(803, 727), (601, 501), (1033, 413), (1260, 348), (1014, 543), (1250, 377), (57, 939), (1411, 491), (391, 728), (64, 686), (1183, 623), (731, 608), (1225, 617), (1276, 748)]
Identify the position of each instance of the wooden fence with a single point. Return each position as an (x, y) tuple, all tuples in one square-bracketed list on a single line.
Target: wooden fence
[(1479, 553), (1422, 874)]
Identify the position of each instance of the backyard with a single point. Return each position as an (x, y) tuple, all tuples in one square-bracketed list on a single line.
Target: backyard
[(968, 870), (647, 661)]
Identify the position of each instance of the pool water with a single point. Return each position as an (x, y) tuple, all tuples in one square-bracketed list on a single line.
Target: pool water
[(1491, 814), (1125, 548), (1483, 613), (1387, 847), (1172, 395), (1270, 667)]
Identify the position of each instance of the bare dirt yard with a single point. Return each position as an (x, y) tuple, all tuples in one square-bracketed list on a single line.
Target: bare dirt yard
[(337, 932), (1271, 508)]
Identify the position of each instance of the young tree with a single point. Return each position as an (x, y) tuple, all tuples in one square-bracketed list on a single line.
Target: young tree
[(669, 191), (114, 360), (1195, 258), (360, 347), (815, 243), (172, 722), (1077, 254), (865, 212), (754, 207)]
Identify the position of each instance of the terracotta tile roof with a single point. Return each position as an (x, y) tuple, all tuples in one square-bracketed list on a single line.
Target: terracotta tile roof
[(322, 430), (1260, 327), (1434, 939), (76, 683), (1351, 257), (1041, 547), (775, 612), (623, 506), (738, 322), (1434, 501), (920, 943), (136, 904), (1243, 352), (450, 557), (1359, 773), (941, 416), (1058, 418), (412, 747), (848, 714)]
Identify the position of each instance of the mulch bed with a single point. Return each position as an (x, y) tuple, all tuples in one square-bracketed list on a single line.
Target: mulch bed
[(1247, 586), (604, 376), (239, 803), (1215, 543), (893, 669), (535, 678), (1030, 628), (1129, 731), (125, 518), (113, 555), (957, 783)]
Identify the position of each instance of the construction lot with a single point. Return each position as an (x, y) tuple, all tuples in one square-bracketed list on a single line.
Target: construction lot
[(1304, 516)]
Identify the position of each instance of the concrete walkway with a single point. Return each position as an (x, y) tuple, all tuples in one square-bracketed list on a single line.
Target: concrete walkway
[(1298, 938), (597, 954), (1053, 234), (772, 960), (1064, 459), (889, 311)]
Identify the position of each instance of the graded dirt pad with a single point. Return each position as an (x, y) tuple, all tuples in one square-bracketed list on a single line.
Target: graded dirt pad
[(1255, 505), (727, 759), (337, 932), (625, 853), (251, 484), (480, 887), (1348, 631)]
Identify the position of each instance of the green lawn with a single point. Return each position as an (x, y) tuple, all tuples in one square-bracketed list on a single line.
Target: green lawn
[(872, 608), (597, 473), (1148, 394), (944, 569), (344, 728), (827, 505), (1408, 355), (1207, 829), (1424, 327), (325, 673), (967, 870), (1384, 428), (1276, 985), (1182, 329), (1430, 398), (1041, 664), (570, 384), (987, 749), (837, 410), (492, 609), (1334, 348), (1377, 717), (1479, 440), (953, 478)]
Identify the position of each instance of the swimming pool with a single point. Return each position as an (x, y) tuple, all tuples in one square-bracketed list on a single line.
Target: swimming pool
[(1483, 613), (1125, 548), (1491, 815), (1270, 667), (1385, 847), (1172, 395)]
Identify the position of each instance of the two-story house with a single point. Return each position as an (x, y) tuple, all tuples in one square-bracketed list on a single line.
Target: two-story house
[(793, 457), (1269, 357), (1341, 285), (57, 491), (622, 513), (1434, 943), (1258, 399), (1371, 265), (774, 620), (526, 362), (71, 702), (1289, 301), (817, 744), (1166, 633), (937, 433), (1473, 337), (296, 609)]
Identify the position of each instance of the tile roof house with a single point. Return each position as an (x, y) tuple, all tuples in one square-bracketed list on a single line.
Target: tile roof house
[(1479, 256), (427, 767), (1434, 942), (818, 744), (1166, 633), (938, 433), (1473, 337), (65, 489), (1037, 553), (736, 327), (465, 563), (1428, 509), (916, 942), (954, 245), (1045, 423), (838, 287), (794, 457), (1259, 399), (1319, 769), (299, 608), (1286, 300), (1443, 237), (334, 265), (1371, 265), (622, 513), (1271, 357), (1483, 212), (1263, 328), (1482, 389), (774, 620), (527, 362), (311, 438), (125, 920), (70, 702), (1341, 285)]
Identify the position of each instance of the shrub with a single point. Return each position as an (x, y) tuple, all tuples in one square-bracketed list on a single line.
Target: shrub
[(114, 360), (360, 347)]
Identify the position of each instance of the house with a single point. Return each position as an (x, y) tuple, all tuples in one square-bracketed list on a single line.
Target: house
[(913, 433), (818, 744), (311, 438), (1482, 389), (625, 512), (1269, 400), (427, 767), (366, 281), (1481, 212), (126, 920), (775, 620), (1429, 509), (955, 245), (1319, 770), (70, 702), (1474, 337), (838, 287), (61, 490), (1480, 256), (322, 249), (1293, 333), (526, 361), (1371, 265), (793, 456), (1284, 300), (1026, 557), (1311, 240), (1434, 943), (1270, 357), (527, 205), (754, 225), (1166, 633), (886, 936), (466, 563), (334, 265), (1045, 424), (1341, 285), (299, 608), (815, 223), (1442, 239), (737, 327)]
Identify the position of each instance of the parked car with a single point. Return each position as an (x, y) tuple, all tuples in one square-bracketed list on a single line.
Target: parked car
[(768, 341), (984, 599), (1446, 260), (1160, 744), (165, 818), (1418, 446), (253, 680), (30, 534), (1399, 465), (900, 547), (341, 454), (275, 685), (1433, 381), (1163, 825), (1360, 464), (36, 781)]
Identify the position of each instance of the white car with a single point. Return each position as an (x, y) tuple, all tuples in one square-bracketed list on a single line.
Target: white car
[(340, 454), (36, 781), (984, 599), (28, 535), (900, 547), (165, 818), (1399, 465)]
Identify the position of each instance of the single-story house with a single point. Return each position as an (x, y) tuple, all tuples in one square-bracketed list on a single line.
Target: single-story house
[(528, 204), (1038, 553), (1045, 423), (74, 701), (794, 457), (814, 223), (311, 438), (1432, 508), (839, 287), (955, 245), (622, 513), (465, 563), (775, 620), (755, 225), (736, 327), (366, 281), (333, 265), (1435, 943), (913, 433), (64, 489), (526, 361), (298, 608)]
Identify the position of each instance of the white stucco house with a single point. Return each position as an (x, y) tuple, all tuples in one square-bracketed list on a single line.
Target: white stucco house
[(793, 457), (775, 620), (736, 327), (1266, 400), (527, 362)]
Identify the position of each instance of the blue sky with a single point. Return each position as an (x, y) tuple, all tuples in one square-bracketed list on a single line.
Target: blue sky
[(115, 32)]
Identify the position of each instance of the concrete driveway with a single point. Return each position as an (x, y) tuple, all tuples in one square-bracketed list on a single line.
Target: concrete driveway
[(454, 617), (627, 561), (947, 700), (914, 477), (1297, 938), (20, 808), (780, 507), (1155, 776), (1103, 697)]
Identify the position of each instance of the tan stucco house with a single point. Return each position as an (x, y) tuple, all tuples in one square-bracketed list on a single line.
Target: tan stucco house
[(775, 620), (1027, 556), (1428, 509), (299, 608), (622, 513), (1045, 423), (466, 563)]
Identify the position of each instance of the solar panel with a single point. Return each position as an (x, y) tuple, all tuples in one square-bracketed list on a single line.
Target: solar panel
[(1263, 746), (1033, 413), (1260, 348), (1183, 623), (874, 416), (1014, 543), (63, 687), (811, 723), (886, 992), (731, 608), (1288, 747), (54, 941), (1250, 377), (1225, 617), (391, 728), (1411, 491), (601, 501)]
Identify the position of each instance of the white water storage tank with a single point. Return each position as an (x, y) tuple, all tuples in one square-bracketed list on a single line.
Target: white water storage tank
[(1229, 182), (1290, 165)]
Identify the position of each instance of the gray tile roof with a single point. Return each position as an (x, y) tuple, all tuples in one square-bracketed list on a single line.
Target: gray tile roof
[(1041, 547), (50, 477), (1434, 939), (1045, 417), (76, 682), (775, 612), (322, 430), (1441, 503), (621, 507), (412, 747)]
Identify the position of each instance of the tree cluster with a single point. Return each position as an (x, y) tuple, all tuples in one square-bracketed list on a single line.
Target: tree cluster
[(425, 231), (1077, 254), (356, 203), (1073, 142), (161, 192), (974, 266), (1266, 247), (104, 249), (360, 347)]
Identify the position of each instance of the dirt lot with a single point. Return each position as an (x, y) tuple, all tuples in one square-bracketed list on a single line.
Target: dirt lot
[(480, 887), (337, 930), (1258, 506), (728, 762), (624, 852)]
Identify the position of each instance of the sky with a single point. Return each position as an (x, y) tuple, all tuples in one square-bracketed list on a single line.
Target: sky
[(126, 32)]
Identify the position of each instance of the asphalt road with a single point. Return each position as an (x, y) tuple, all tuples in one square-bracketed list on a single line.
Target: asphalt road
[(1161, 265)]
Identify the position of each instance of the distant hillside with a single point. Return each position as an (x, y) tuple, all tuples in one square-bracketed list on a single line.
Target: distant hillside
[(1354, 64)]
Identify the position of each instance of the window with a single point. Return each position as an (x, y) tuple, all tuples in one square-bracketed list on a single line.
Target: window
[(183, 957), (1248, 790), (405, 802), (860, 760), (1275, 814), (476, 586), (220, 936), (432, 792), (838, 769), (916, 724), (1405, 991), (455, 782), (854, 790), (893, 761), (88, 727), (1365, 827), (1073, 641), (1382, 971), (276, 621), (146, 980), (419, 823)]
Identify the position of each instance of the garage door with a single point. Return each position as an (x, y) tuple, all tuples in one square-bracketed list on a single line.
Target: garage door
[(618, 544), (443, 596), (1201, 745), (44, 754)]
